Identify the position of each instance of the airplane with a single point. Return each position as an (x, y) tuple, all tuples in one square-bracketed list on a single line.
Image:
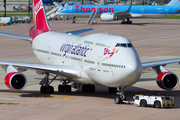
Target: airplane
[(122, 12), (94, 59)]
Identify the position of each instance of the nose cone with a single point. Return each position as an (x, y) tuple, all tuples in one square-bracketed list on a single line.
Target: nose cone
[(133, 69)]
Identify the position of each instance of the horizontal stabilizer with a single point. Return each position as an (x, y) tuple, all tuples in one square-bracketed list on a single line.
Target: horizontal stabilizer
[(76, 32), (17, 36)]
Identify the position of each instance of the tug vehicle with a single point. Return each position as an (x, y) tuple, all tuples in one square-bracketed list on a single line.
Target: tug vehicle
[(156, 101)]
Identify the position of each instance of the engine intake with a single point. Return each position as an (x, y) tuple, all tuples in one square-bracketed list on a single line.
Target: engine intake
[(167, 80), (15, 81)]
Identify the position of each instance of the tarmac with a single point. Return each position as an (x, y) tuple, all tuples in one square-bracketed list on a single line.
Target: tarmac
[(154, 39)]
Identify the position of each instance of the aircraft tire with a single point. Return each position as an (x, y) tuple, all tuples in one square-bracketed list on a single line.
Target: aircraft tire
[(91, 88), (43, 90), (68, 88), (84, 88), (118, 100), (51, 89), (61, 88)]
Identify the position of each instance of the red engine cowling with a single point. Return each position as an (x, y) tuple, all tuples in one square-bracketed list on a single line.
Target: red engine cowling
[(15, 81), (167, 80)]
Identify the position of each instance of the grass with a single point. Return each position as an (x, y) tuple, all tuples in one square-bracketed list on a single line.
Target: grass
[(15, 11), (9, 15)]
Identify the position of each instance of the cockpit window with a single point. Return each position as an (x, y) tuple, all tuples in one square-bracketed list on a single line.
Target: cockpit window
[(123, 45), (129, 45), (62, 9)]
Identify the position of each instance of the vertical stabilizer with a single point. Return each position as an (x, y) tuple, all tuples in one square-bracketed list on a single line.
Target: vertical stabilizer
[(39, 15), (174, 3)]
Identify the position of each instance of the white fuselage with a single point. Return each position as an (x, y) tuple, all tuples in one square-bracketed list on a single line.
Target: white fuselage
[(100, 58)]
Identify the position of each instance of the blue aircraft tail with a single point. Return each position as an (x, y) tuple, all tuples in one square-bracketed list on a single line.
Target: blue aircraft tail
[(174, 3)]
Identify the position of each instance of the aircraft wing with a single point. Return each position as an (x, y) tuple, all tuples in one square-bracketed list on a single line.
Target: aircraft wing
[(28, 38), (124, 14), (67, 71), (159, 63), (76, 32), (17, 36)]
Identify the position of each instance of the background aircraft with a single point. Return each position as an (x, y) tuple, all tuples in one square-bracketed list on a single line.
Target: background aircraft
[(122, 12), (95, 59)]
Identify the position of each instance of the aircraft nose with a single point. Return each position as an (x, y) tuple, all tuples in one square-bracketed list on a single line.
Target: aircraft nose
[(134, 68)]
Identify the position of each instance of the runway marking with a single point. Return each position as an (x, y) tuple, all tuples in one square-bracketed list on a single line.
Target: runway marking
[(37, 96), (31, 105), (17, 104), (9, 103), (67, 98)]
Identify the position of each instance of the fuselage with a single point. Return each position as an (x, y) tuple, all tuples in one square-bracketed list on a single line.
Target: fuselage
[(135, 11), (100, 58)]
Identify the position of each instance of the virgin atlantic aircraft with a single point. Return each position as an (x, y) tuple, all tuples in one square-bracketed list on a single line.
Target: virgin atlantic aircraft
[(94, 59)]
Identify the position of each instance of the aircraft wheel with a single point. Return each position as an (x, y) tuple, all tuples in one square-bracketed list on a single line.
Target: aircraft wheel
[(84, 88), (123, 22), (43, 90), (51, 89), (130, 22), (143, 103), (118, 100), (68, 88), (157, 104), (61, 88), (91, 88)]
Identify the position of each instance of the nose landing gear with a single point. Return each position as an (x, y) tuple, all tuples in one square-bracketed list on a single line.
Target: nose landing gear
[(120, 96)]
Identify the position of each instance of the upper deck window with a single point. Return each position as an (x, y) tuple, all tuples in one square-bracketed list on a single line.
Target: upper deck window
[(129, 45)]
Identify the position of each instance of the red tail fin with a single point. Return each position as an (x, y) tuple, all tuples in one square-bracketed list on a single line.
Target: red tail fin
[(39, 15)]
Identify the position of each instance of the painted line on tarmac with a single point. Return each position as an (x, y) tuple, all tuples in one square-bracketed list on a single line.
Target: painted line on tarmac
[(17, 104), (36, 96), (45, 97)]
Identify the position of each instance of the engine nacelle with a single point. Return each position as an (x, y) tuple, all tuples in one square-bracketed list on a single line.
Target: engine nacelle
[(15, 81), (167, 80), (108, 17)]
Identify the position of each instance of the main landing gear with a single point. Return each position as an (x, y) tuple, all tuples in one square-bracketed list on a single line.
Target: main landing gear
[(120, 96), (88, 88), (45, 85), (73, 19), (64, 87), (126, 22)]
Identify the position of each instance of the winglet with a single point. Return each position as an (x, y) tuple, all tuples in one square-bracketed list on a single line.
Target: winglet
[(40, 16), (129, 8)]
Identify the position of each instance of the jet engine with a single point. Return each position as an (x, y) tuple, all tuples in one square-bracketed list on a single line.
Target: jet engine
[(108, 17), (15, 81), (167, 80)]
